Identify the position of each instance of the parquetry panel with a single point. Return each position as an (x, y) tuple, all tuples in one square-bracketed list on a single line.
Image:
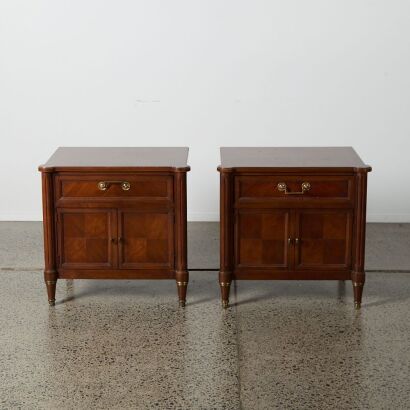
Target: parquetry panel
[(85, 237), (262, 238), (324, 238), (145, 238)]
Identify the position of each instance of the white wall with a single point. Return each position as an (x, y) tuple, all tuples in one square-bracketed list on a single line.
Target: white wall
[(205, 73)]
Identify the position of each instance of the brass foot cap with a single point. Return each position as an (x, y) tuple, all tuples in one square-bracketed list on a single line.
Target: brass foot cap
[(357, 305), (52, 302), (182, 303), (225, 304)]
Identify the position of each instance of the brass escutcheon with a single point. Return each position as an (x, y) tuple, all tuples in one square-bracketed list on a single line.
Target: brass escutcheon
[(102, 186), (125, 186)]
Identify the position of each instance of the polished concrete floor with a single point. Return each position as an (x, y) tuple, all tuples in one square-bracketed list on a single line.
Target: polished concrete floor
[(281, 345)]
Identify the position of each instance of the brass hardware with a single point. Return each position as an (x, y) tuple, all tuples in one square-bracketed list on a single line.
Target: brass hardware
[(104, 185), (297, 241), (125, 186), (224, 284), (289, 241), (225, 304), (182, 303), (357, 305), (282, 187), (51, 282), (52, 302), (182, 283), (357, 284)]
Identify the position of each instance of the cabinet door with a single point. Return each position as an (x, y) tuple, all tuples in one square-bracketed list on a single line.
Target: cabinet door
[(323, 239), (262, 239), (87, 238), (145, 239)]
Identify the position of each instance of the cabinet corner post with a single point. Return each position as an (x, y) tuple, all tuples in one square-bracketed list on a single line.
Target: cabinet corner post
[(50, 270), (181, 249), (358, 272), (226, 234)]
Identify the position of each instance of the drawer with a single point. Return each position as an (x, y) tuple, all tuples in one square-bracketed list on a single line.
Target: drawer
[(281, 188), (114, 186)]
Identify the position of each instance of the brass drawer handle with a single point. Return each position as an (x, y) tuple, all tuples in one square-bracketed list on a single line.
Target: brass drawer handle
[(282, 187), (104, 185)]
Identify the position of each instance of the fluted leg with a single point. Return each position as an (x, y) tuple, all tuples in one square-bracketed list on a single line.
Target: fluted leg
[(226, 234), (181, 273), (50, 272)]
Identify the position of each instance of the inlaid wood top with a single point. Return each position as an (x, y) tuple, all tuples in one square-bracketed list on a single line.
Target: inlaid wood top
[(124, 157), (291, 157)]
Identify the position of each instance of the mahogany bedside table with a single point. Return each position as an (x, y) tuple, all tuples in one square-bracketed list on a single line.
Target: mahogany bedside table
[(115, 213), (292, 213)]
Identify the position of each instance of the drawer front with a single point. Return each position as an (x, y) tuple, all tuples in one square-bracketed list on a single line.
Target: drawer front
[(115, 186), (284, 188)]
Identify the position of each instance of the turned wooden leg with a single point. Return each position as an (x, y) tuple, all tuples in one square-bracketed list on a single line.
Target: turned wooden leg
[(51, 284), (225, 280), (358, 279), (50, 272), (182, 284), (226, 233), (358, 274), (181, 254)]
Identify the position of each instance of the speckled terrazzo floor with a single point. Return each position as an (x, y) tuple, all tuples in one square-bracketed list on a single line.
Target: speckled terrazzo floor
[(127, 345)]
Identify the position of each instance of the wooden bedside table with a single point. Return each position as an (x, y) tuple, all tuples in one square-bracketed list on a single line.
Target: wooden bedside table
[(292, 213), (115, 213)]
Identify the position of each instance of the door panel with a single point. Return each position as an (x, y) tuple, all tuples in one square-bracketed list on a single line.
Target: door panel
[(85, 238), (146, 239), (323, 239), (262, 238)]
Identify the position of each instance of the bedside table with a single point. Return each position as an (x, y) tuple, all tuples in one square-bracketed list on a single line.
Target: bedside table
[(292, 213), (115, 213)]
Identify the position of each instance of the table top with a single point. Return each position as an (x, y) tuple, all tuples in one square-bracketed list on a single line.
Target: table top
[(291, 157), (124, 157)]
